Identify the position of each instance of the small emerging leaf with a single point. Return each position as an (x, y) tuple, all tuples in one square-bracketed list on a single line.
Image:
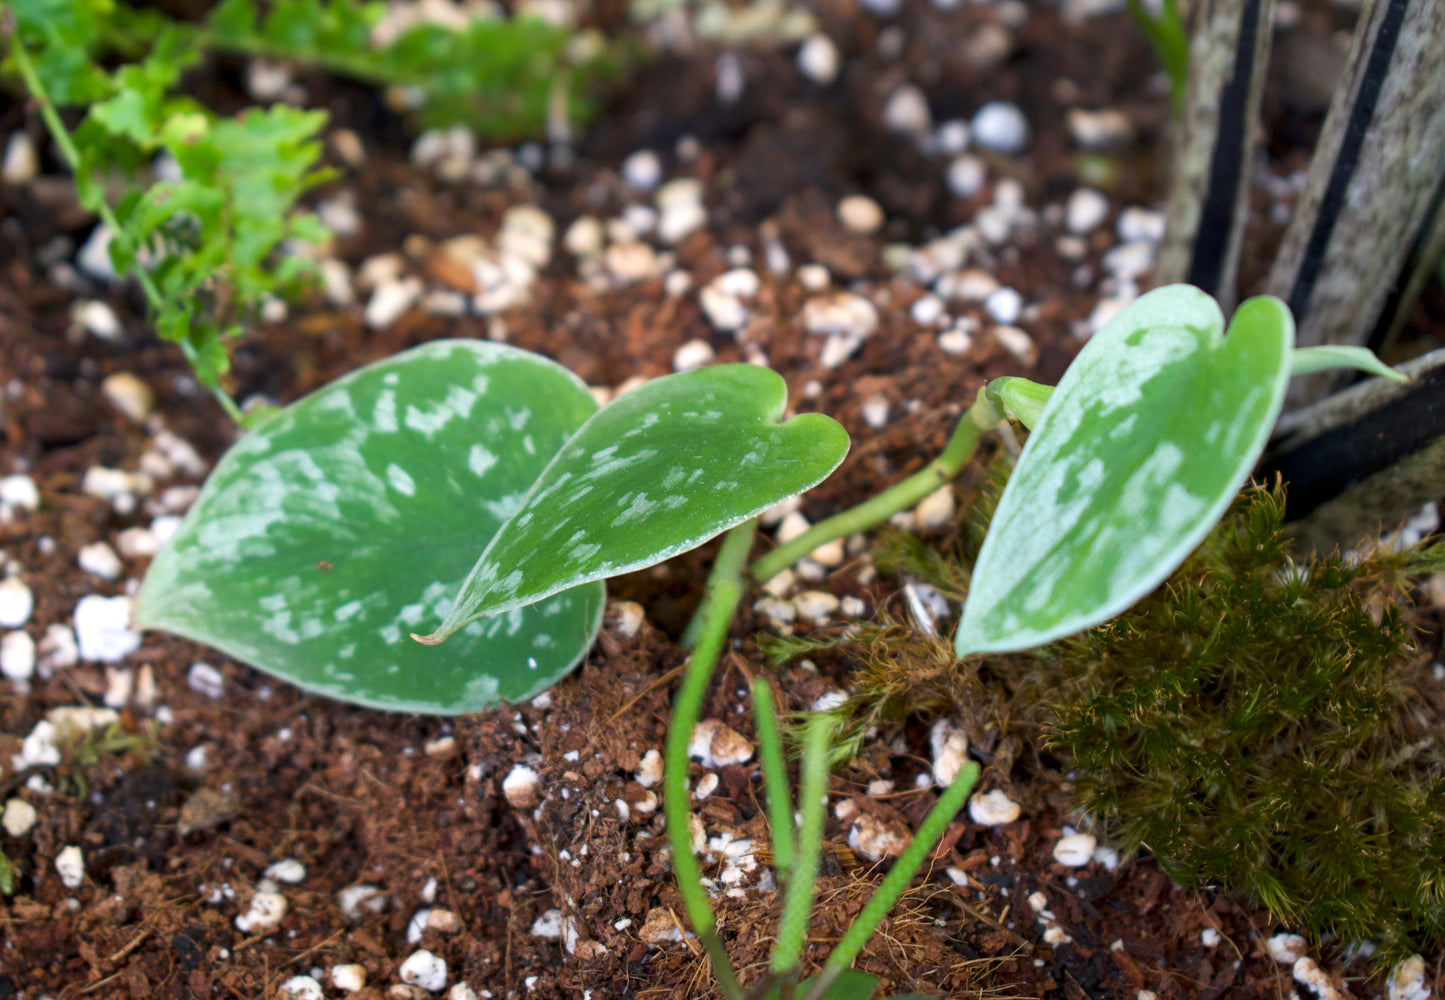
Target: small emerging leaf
[(1140, 450), (346, 519), (1308, 360), (658, 471)]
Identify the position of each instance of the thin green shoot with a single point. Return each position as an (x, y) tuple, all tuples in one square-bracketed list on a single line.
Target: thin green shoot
[(775, 779), (802, 883)]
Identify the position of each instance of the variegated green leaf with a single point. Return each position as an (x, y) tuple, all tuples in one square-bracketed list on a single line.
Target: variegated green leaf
[(1148, 437), (1330, 357), (656, 472), (348, 519)]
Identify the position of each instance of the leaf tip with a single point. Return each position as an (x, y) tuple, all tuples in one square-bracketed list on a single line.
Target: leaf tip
[(434, 639)]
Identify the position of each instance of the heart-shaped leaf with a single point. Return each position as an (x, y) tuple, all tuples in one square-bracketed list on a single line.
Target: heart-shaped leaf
[(1148, 437), (656, 472), (347, 519)]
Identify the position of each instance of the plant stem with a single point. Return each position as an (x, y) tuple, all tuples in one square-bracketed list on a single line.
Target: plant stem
[(724, 590), (775, 780), (1001, 399), (155, 299), (907, 865), (727, 566), (942, 469), (803, 880)]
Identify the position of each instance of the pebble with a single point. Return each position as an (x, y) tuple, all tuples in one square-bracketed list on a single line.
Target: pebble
[(93, 258), (632, 261), (1308, 973), (425, 970), (17, 657), (1075, 850), (99, 559), (340, 215), (98, 319), (1001, 127), (660, 927), (19, 492), (993, 808), (21, 163), (1085, 211), (1128, 261), (1140, 225), (928, 310), (813, 277), (840, 312), (860, 214), (1004, 305), (17, 603), (875, 840), (264, 914), (955, 342), (1286, 949), (715, 744), (936, 511), (390, 300), (625, 618), (731, 80), (680, 203), (965, 176), (853, 607), (359, 900), (70, 865), (793, 524), (778, 611), (548, 927), (1407, 980), (103, 629), (527, 232), (461, 991), (303, 988), (1105, 129), (829, 555), (129, 394), (1106, 309), (1209, 937), (642, 170), (58, 648), (19, 817), (693, 355), (951, 138), (349, 978), (520, 787), (336, 283), (676, 284), (649, 770), (287, 870), (906, 111), (585, 237), (816, 605), (206, 680), (972, 285), (1017, 342), (726, 312), (818, 59), (875, 412), (450, 152), (119, 687), (949, 743), (39, 747)]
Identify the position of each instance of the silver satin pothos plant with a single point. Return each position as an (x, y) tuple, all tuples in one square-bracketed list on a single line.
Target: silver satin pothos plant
[(474, 496)]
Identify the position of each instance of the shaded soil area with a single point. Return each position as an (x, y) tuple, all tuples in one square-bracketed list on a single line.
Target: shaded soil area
[(183, 808)]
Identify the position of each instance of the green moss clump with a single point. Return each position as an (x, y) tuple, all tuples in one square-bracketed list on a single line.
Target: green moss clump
[(1253, 726)]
